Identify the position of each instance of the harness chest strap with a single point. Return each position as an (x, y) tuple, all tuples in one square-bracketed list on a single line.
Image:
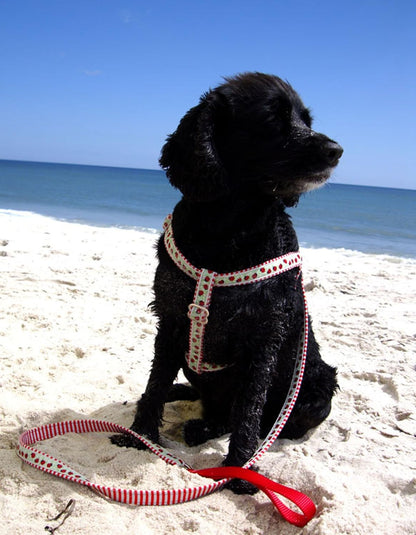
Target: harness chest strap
[(198, 310)]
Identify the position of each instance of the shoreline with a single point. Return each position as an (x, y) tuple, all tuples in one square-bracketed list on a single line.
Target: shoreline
[(154, 231), (76, 341)]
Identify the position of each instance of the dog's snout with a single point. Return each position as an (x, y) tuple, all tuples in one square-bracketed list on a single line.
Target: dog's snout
[(333, 152)]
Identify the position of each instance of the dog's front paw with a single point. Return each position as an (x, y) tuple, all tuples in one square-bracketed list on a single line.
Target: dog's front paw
[(239, 486), (127, 441)]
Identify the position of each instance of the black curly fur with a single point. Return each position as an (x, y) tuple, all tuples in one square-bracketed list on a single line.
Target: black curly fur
[(239, 157)]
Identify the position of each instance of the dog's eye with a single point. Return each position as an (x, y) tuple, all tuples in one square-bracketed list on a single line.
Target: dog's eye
[(306, 117), (284, 110), (281, 109)]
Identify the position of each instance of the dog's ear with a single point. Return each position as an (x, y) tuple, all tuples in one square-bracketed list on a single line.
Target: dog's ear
[(189, 155)]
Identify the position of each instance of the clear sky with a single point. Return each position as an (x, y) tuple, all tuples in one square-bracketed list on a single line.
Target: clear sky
[(104, 82)]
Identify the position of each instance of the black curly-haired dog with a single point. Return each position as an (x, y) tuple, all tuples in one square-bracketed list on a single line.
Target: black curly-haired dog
[(239, 157)]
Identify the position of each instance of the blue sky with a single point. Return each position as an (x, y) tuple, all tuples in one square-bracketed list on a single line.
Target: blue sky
[(104, 82)]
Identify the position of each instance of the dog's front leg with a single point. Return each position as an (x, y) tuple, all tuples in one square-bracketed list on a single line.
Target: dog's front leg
[(165, 367), (246, 418)]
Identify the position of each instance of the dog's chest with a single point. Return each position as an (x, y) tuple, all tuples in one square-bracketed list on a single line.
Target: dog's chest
[(225, 311)]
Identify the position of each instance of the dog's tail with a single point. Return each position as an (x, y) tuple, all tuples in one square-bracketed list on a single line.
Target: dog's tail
[(182, 392)]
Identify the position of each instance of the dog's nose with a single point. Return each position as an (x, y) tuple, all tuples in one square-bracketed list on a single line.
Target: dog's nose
[(333, 152)]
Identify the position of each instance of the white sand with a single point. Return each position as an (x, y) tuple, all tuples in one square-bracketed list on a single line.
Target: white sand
[(76, 341)]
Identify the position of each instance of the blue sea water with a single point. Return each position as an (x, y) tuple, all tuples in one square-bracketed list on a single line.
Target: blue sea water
[(367, 219)]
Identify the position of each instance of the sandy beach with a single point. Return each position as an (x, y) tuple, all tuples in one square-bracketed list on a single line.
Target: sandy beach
[(76, 341)]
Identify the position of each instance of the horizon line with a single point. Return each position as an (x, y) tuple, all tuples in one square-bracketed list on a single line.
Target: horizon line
[(162, 171)]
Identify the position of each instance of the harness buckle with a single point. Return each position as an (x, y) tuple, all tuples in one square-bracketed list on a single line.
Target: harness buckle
[(198, 313)]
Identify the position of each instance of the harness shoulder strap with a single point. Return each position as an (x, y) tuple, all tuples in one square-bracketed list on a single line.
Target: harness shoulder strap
[(198, 310)]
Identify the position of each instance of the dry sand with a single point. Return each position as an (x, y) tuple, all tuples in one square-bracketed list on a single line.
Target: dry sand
[(76, 341)]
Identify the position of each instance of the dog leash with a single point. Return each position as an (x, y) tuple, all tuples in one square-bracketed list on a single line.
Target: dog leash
[(221, 475)]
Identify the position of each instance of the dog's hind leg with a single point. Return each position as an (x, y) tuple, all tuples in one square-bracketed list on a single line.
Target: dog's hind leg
[(198, 431), (216, 404), (181, 392), (314, 402)]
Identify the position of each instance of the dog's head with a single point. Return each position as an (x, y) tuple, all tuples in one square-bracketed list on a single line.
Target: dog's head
[(250, 135)]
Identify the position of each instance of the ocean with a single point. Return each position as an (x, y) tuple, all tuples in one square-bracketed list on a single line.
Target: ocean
[(367, 219)]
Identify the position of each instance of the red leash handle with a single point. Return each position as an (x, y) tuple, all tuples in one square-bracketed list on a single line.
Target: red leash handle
[(271, 489)]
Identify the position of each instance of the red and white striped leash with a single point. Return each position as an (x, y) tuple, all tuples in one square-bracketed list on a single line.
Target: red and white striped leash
[(221, 475)]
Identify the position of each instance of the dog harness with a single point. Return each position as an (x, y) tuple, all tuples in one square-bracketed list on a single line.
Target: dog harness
[(198, 310)]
